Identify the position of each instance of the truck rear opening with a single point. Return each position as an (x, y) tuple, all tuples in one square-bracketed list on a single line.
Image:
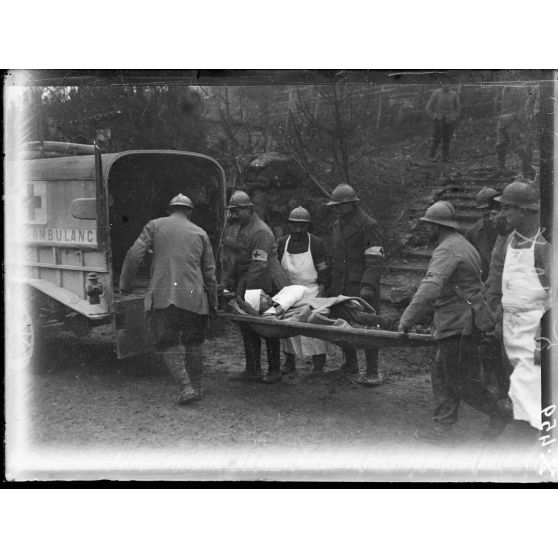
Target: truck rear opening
[(140, 186)]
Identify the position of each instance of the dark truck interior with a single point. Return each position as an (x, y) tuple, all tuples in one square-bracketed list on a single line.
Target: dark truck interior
[(140, 187)]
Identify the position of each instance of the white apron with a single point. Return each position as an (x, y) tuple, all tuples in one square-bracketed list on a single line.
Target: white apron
[(302, 271), (524, 301)]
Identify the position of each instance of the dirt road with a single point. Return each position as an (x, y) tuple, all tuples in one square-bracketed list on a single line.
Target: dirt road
[(82, 397)]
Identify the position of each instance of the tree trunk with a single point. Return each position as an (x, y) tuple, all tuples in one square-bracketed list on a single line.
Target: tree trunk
[(340, 136)]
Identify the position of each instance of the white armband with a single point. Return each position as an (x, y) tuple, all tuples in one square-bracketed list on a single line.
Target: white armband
[(374, 251), (259, 255)]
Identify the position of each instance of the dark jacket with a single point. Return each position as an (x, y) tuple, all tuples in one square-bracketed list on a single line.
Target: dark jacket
[(444, 104), (452, 286), (357, 256), (256, 264), (482, 236), (493, 284)]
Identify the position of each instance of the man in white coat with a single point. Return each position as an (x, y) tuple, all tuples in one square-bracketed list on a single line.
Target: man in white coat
[(303, 256), (526, 297)]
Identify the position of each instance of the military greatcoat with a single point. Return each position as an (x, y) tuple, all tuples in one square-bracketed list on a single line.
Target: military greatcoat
[(357, 256)]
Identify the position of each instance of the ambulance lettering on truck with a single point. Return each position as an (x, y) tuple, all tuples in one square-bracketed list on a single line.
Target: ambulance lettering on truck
[(64, 236)]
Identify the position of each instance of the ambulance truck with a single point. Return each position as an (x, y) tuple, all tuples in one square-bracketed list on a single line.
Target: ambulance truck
[(81, 211)]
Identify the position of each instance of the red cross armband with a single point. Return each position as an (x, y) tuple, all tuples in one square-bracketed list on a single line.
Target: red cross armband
[(259, 255)]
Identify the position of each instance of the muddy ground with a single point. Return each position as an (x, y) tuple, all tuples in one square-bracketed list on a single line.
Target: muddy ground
[(82, 398)]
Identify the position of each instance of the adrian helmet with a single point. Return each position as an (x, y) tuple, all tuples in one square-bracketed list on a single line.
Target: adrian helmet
[(240, 199), (343, 193), (520, 194), (441, 213), (485, 197), (299, 215), (181, 200)]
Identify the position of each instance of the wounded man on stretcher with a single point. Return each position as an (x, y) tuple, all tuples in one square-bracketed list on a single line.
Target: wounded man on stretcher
[(295, 304)]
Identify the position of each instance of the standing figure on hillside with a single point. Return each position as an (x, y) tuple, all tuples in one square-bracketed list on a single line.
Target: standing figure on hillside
[(357, 264), (516, 129), (303, 256), (181, 292), (256, 267), (482, 234), (526, 297), (452, 286), (444, 108)]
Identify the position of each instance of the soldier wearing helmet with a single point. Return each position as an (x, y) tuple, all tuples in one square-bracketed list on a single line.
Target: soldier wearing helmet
[(357, 263), (255, 267), (181, 291), (452, 287), (526, 297), (482, 234), (303, 256)]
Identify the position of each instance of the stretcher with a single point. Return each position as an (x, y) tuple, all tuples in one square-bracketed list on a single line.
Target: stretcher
[(347, 337)]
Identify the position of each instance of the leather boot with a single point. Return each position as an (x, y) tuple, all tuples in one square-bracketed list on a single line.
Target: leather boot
[(289, 366), (350, 365), (496, 425), (503, 373), (252, 349), (371, 379), (439, 434), (174, 359), (273, 361), (193, 358), (318, 362)]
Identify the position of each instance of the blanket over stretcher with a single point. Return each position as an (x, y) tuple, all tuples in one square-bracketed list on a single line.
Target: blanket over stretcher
[(338, 311)]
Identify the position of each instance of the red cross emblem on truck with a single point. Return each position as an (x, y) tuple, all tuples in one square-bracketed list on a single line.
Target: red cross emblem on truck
[(32, 202)]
